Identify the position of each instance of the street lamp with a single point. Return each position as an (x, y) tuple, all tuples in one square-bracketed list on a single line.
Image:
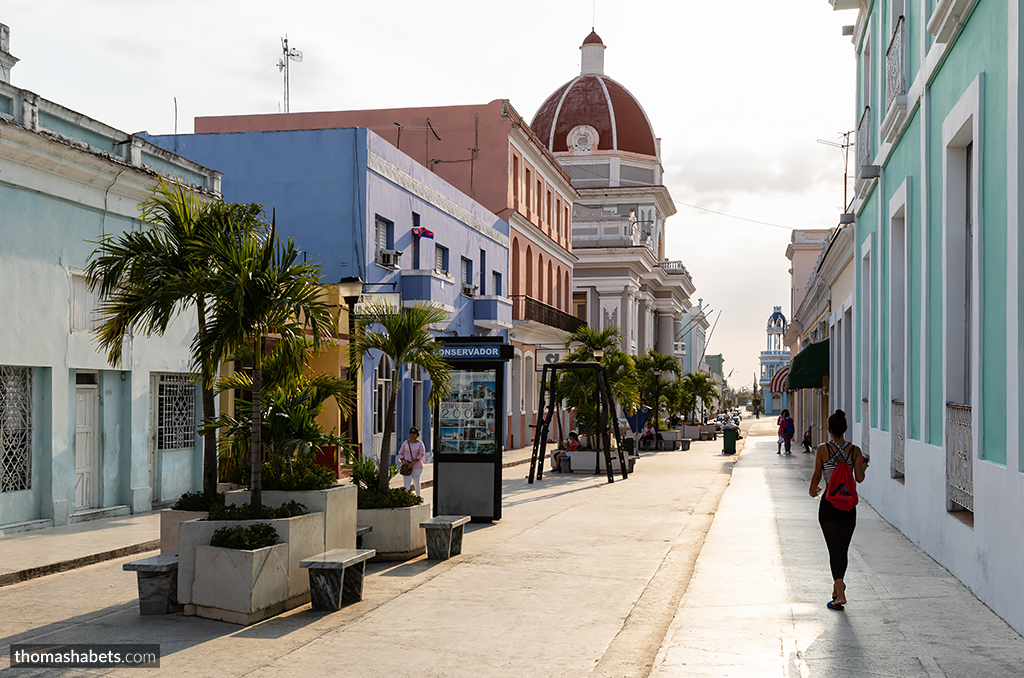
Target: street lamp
[(351, 289)]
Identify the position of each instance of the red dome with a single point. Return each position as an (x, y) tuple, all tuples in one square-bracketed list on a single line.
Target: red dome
[(595, 100)]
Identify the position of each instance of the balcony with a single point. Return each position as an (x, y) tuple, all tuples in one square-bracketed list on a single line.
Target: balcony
[(865, 153), (537, 323), (492, 312), (895, 85), (959, 458)]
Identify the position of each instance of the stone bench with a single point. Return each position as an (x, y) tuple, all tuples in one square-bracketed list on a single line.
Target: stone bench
[(360, 533), (336, 577), (444, 536), (158, 582)]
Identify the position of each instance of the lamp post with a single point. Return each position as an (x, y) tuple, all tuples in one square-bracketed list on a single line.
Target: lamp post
[(351, 289)]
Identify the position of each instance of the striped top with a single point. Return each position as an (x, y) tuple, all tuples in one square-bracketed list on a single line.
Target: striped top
[(835, 454)]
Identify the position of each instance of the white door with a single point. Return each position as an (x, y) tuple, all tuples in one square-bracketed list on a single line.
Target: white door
[(86, 453)]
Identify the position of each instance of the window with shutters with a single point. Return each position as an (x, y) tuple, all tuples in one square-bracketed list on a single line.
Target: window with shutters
[(467, 272), (84, 305), (15, 428), (496, 283), (383, 242), (440, 259)]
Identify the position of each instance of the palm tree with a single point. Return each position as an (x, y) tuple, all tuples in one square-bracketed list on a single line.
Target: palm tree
[(578, 388), (701, 388), (147, 278), (258, 287), (403, 337), (651, 367)]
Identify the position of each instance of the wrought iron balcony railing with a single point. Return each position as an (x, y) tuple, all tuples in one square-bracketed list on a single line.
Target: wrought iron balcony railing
[(864, 153), (528, 308), (959, 459), (895, 81)]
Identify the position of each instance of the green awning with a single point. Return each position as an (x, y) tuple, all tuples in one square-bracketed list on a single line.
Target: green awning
[(808, 367)]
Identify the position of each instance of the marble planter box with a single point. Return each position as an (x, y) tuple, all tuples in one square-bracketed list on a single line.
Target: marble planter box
[(242, 587), (396, 534), (304, 535), (169, 521), (583, 462), (691, 432), (338, 504)]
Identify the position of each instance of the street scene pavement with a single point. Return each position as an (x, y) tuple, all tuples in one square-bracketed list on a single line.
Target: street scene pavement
[(698, 564)]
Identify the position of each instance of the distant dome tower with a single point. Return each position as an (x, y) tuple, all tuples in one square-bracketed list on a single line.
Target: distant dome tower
[(775, 365)]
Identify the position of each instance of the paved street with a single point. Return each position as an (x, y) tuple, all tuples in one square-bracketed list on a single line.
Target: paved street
[(582, 578)]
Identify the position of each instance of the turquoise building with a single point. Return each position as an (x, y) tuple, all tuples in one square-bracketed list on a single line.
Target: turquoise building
[(80, 438), (936, 348)]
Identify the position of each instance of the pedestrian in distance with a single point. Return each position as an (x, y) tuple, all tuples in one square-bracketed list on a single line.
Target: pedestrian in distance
[(843, 465), (807, 441), (787, 429), (412, 453), (648, 437)]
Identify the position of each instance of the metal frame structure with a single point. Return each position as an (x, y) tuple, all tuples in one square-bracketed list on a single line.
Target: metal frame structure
[(608, 419)]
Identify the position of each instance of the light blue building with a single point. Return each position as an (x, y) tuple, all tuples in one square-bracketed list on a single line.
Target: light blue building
[(936, 366), (79, 438), (774, 365), (355, 202)]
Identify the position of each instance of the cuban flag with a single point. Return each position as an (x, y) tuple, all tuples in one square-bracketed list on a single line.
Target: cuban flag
[(423, 233)]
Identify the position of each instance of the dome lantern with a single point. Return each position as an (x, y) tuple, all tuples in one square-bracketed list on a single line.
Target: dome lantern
[(593, 49)]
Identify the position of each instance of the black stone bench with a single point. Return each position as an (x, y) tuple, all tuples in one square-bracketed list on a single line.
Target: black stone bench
[(444, 536), (336, 577), (360, 533), (158, 582)]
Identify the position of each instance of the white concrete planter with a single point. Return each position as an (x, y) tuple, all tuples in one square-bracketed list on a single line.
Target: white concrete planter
[(338, 504), (691, 432), (304, 535), (169, 521), (582, 461), (242, 587), (396, 534)]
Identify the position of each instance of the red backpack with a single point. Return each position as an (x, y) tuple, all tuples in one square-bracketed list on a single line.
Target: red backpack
[(842, 486)]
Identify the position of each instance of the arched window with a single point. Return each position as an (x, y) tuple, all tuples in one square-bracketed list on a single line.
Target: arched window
[(540, 277), (567, 291), (517, 278), (550, 299), (527, 287), (557, 302)]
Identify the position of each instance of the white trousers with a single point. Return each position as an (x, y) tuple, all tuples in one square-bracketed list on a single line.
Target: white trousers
[(414, 479)]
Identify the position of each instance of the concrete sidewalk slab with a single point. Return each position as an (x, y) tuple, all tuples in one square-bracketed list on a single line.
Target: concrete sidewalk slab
[(756, 603)]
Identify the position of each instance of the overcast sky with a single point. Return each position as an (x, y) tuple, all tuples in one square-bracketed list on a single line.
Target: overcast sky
[(738, 90)]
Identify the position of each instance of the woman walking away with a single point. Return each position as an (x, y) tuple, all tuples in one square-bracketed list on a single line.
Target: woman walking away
[(787, 429), (843, 466), (413, 451)]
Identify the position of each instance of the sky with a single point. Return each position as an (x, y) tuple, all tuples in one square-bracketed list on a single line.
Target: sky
[(739, 91)]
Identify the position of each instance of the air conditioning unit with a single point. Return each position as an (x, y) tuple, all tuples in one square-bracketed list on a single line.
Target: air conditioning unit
[(388, 258), (469, 290)]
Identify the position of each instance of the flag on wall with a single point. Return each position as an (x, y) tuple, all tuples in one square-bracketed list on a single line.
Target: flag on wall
[(423, 233)]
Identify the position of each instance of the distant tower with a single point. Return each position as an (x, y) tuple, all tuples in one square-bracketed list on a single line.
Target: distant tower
[(7, 60), (774, 359)]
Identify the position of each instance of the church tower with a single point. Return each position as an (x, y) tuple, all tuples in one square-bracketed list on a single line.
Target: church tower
[(775, 365)]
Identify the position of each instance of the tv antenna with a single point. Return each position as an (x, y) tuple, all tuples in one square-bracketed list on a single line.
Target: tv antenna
[(845, 148), (289, 54)]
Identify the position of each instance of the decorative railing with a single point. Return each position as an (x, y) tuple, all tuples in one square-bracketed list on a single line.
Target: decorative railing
[(959, 459), (895, 82), (899, 437), (864, 139), (865, 425), (528, 308)]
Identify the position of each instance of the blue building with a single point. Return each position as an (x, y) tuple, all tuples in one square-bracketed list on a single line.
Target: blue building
[(356, 203), (775, 365)]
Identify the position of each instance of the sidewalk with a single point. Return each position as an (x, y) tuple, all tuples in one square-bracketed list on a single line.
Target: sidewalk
[(756, 603), (37, 553)]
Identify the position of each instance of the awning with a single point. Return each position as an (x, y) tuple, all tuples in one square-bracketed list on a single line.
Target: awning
[(778, 382), (809, 366)]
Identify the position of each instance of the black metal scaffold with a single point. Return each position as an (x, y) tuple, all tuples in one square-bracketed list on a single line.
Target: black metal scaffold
[(607, 419)]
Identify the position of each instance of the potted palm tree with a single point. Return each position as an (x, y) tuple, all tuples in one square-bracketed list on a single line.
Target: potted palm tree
[(402, 336)]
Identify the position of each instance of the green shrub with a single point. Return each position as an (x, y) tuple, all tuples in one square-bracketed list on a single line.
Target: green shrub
[(306, 475), (197, 501), (397, 497), (245, 512), (244, 538)]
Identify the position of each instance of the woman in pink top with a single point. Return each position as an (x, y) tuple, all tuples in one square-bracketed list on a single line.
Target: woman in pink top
[(413, 450)]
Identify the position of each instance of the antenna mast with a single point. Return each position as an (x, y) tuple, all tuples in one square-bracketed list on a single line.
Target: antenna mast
[(288, 54)]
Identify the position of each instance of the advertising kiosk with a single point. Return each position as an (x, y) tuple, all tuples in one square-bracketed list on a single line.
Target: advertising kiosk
[(469, 429)]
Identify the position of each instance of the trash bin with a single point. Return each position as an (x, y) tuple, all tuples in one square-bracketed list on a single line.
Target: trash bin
[(628, 445), (729, 437), (564, 465)]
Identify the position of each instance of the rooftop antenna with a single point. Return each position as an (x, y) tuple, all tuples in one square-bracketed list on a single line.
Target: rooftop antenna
[(289, 53), (845, 148)]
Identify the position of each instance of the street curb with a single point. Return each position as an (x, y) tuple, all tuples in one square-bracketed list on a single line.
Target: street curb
[(19, 576)]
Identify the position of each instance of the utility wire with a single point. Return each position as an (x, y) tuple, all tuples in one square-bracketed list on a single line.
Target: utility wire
[(247, 87)]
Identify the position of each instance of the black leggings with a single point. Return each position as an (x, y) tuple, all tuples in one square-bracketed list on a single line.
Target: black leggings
[(837, 526)]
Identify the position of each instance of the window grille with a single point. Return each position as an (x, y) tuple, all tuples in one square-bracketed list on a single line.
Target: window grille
[(176, 412), (15, 428)]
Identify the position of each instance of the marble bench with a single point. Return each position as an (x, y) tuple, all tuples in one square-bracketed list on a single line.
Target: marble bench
[(336, 577), (158, 582), (444, 536), (360, 533)]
